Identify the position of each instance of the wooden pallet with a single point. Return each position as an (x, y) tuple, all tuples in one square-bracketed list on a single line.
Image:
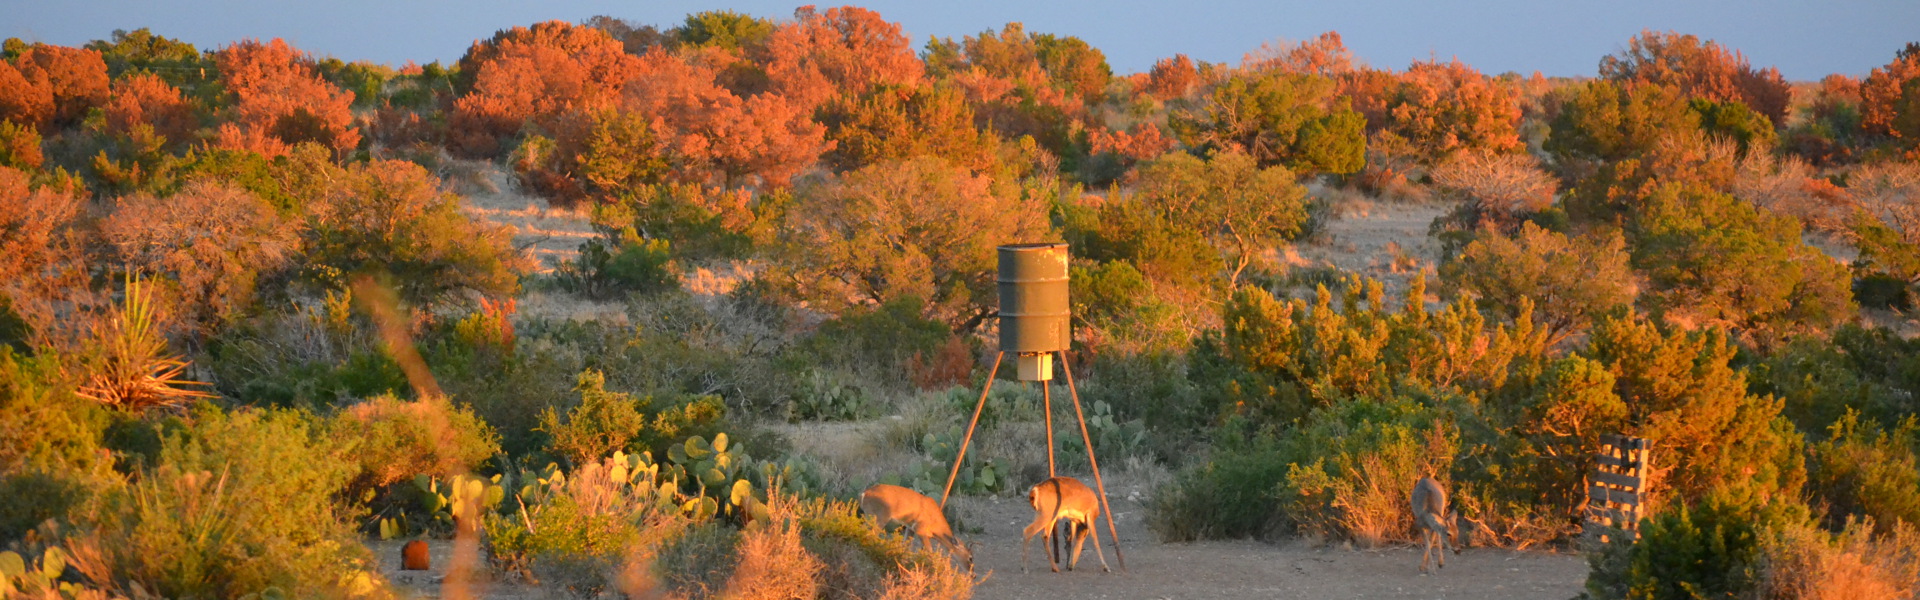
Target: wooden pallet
[(1617, 489)]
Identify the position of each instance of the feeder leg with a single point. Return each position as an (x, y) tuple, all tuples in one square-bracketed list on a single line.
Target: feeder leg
[(955, 474), (1046, 399)]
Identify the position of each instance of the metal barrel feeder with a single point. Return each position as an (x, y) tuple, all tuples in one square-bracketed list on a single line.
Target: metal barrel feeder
[(1036, 325), (1035, 318)]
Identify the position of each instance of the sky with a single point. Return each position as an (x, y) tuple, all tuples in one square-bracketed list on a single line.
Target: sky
[(1806, 39)]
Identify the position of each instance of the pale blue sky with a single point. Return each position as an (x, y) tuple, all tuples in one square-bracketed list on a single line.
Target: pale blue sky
[(1806, 39)]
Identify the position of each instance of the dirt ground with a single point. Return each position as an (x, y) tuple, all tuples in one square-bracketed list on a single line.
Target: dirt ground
[(1248, 569), (1206, 570)]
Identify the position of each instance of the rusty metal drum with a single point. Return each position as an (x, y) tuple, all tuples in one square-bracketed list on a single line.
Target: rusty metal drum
[(1034, 314)]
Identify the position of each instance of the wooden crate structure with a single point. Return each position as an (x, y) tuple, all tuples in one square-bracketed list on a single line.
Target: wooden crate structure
[(1618, 488)]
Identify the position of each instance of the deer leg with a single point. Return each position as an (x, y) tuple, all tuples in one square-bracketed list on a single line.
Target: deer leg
[(1095, 532), (1054, 542), (1026, 543), (1426, 539)]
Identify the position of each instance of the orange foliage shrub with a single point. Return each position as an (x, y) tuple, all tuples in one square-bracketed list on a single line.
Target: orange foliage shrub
[(896, 123), (939, 223), (718, 135), (212, 239), (1370, 92), (1324, 55), (20, 146), (1881, 95), (145, 99), (951, 364), (22, 100), (536, 75), (1143, 142), (845, 50), (279, 100), (76, 78), (43, 268), (1443, 108), (1498, 188), (1700, 70), (1012, 94), (1172, 78)]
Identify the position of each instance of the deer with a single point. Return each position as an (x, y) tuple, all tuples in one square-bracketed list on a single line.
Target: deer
[(891, 504), (1435, 521), (1063, 499)]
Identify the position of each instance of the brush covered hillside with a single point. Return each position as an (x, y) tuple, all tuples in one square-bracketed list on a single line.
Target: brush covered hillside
[(612, 309)]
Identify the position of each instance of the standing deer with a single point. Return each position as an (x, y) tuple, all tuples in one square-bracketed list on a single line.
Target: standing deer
[(1063, 499), (894, 504), (1432, 517)]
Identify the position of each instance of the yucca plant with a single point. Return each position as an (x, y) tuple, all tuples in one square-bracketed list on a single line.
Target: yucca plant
[(131, 367)]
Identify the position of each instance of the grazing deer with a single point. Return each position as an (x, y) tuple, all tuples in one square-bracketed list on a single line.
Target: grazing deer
[(894, 504), (1434, 520), (1063, 499)]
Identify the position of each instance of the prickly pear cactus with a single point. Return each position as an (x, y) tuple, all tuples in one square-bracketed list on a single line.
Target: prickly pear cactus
[(18, 579)]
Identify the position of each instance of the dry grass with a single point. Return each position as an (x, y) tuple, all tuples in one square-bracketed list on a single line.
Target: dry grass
[(1807, 563), (773, 565), (542, 232), (933, 580)]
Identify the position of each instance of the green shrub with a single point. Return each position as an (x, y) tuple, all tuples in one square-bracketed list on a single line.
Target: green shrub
[(1154, 392), (34, 497), (240, 503), (1354, 464), (881, 340), (1710, 550), (1230, 495), (391, 217), (1873, 371), (1116, 310), (1712, 260), (606, 421), (620, 264), (394, 440), (1861, 470), (47, 424), (575, 529), (1735, 120)]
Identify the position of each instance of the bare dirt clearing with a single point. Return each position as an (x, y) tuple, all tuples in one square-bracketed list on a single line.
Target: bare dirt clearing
[(1247, 569), (550, 235), (1385, 241)]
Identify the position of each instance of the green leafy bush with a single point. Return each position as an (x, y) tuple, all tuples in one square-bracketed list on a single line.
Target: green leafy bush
[(579, 527), (394, 440), (877, 342), (1230, 495), (606, 421), (49, 426), (1862, 470), (1709, 550), (1872, 371), (1351, 468), (619, 264), (240, 503)]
